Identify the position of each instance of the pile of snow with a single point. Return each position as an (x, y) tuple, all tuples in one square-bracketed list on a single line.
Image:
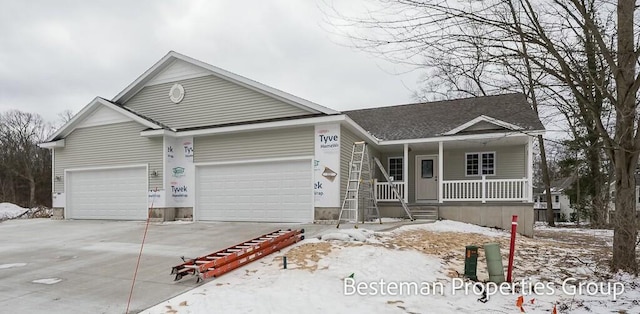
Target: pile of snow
[(10, 211), (454, 226), (347, 235)]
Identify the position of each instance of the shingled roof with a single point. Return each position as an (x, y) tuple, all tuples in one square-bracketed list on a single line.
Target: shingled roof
[(424, 120)]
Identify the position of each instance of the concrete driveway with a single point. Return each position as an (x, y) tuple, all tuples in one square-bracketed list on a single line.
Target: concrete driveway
[(49, 266)]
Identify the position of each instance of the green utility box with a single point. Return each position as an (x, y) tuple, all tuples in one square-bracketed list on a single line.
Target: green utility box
[(471, 262), (494, 262)]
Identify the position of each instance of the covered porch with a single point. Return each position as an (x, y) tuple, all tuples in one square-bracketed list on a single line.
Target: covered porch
[(480, 168)]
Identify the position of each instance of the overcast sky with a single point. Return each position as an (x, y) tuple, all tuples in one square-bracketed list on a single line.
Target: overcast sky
[(57, 55)]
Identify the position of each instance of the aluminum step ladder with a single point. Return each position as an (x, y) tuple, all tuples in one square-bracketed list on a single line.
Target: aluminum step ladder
[(360, 185), (394, 188), (224, 261)]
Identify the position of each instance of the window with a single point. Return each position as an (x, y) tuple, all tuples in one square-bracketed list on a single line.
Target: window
[(480, 164), (557, 198), (395, 168), (427, 169)]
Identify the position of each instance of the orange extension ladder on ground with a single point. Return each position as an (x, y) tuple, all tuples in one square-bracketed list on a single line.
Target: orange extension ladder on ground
[(224, 261)]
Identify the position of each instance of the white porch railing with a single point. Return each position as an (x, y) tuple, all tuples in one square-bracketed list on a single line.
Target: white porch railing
[(543, 205), (384, 193), (485, 190), (540, 205)]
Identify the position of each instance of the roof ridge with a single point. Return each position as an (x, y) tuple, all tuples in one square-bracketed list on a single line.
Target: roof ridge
[(436, 101)]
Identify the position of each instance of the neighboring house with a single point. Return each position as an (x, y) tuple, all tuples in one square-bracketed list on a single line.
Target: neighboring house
[(611, 209), (192, 141), (561, 203)]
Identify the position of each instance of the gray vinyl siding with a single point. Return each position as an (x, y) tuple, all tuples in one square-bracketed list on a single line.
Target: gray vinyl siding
[(208, 100), (346, 148), (347, 138), (291, 142), (110, 145), (509, 162)]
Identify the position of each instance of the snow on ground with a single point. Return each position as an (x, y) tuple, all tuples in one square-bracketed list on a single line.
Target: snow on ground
[(5, 266), (323, 272), (10, 211), (360, 235), (455, 226), (47, 281)]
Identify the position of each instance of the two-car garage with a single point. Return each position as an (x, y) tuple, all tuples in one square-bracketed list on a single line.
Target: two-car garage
[(275, 191), (272, 191)]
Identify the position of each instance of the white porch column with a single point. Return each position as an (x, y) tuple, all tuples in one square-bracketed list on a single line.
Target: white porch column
[(440, 172), (530, 168), (405, 172)]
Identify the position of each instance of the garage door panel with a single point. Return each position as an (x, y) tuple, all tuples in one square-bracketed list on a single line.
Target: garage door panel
[(275, 191), (107, 194)]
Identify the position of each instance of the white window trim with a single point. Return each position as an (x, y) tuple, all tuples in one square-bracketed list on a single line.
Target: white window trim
[(389, 167), (495, 164)]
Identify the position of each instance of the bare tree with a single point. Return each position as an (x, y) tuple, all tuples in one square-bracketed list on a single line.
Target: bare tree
[(582, 49), (22, 160), (64, 117)]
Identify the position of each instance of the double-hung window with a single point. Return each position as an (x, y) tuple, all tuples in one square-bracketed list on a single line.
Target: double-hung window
[(395, 168), (480, 164)]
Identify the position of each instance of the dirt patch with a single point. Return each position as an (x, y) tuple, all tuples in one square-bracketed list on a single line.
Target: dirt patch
[(306, 256), (575, 255)]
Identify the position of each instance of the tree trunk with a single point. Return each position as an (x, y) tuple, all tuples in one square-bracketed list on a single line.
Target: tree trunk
[(626, 154), (32, 192), (547, 182), (625, 230), (599, 186)]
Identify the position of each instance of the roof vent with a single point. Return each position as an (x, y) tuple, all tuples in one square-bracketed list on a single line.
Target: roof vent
[(176, 94)]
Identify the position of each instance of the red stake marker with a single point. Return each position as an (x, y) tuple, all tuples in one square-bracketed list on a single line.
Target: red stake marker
[(512, 246)]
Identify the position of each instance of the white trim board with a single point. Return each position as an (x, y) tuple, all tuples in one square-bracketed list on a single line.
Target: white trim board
[(107, 167), (50, 145), (252, 161), (463, 137), (246, 127)]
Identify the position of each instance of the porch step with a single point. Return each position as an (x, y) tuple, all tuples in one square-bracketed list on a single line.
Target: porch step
[(424, 212)]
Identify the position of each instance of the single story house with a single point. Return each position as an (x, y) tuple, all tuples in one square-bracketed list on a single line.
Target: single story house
[(188, 140), (560, 201)]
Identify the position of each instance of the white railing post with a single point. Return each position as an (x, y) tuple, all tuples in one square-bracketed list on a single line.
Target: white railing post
[(484, 189), (440, 171), (405, 170), (529, 197), (376, 189)]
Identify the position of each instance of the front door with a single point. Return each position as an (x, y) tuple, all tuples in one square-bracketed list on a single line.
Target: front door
[(426, 178)]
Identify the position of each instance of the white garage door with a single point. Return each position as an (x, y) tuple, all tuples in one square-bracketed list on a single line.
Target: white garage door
[(273, 191), (119, 194)]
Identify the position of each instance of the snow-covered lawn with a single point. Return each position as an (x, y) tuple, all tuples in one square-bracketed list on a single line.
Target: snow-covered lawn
[(416, 269)]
